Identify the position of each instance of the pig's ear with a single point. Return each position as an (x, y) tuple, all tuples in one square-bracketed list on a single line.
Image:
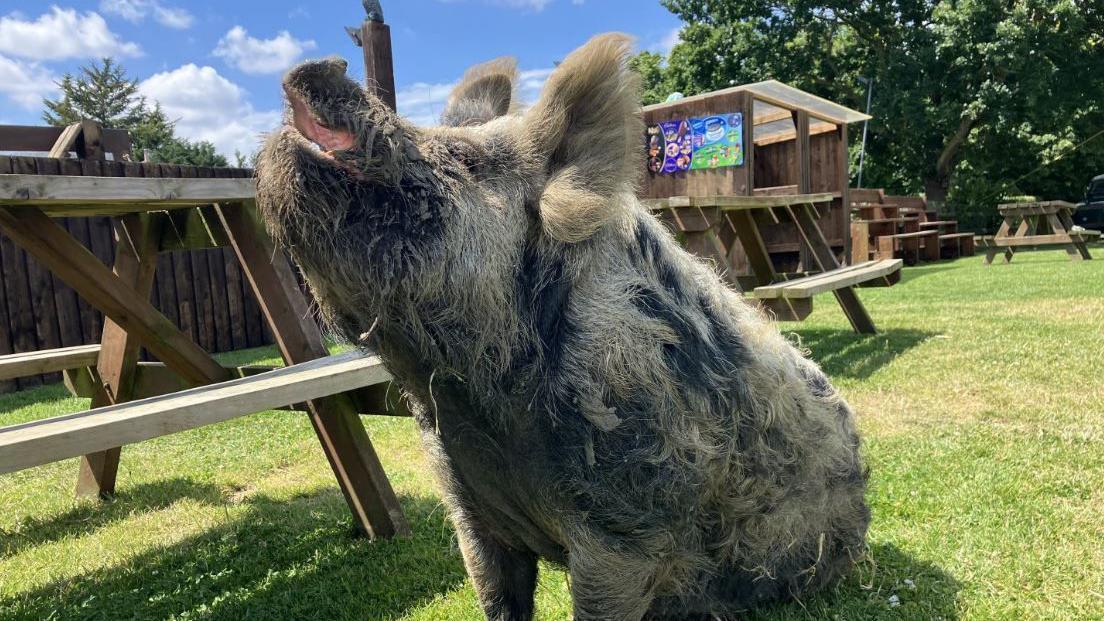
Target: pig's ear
[(587, 126), (486, 92)]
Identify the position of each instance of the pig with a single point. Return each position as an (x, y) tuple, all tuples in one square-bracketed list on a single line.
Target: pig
[(587, 392)]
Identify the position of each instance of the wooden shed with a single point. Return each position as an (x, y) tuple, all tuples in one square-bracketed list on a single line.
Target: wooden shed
[(796, 143)]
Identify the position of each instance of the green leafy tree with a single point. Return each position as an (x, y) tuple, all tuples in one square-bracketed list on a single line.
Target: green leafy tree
[(104, 93), (973, 99)]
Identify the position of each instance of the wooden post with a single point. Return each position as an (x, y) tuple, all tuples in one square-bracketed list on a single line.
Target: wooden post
[(802, 174), (344, 439), (843, 174), (135, 264), (747, 109), (379, 70)]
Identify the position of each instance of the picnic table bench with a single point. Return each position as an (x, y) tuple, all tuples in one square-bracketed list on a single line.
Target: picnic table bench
[(157, 208), (712, 224), (1037, 224)]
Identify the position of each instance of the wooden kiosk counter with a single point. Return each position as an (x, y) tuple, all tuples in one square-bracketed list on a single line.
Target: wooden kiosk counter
[(764, 164)]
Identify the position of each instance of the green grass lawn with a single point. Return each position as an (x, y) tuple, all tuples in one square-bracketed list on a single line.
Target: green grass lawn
[(981, 403)]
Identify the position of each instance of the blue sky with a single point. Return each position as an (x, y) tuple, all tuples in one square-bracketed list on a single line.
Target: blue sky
[(216, 66)]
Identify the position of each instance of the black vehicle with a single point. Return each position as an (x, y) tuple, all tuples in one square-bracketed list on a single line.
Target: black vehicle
[(1090, 213)]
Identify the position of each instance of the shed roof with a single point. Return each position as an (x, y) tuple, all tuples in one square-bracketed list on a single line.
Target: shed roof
[(784, 96)]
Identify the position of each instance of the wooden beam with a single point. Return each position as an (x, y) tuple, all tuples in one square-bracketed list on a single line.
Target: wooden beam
[(66, 142), (91, 142), (47, 361), (746, 103), (92, 280), (153, 379), (41, 139), (53, 439), (359, 473), (136, 238), (143, 194), (803, 157)]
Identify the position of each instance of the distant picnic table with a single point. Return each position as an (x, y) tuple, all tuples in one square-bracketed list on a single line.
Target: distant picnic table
[(1039, 224), (710, 225)]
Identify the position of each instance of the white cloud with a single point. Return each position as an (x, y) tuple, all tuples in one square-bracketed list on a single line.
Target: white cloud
[(207, 106), (137, 10), (253, 55), (26, 83), (668, 42), (61, 33), (422, 103)]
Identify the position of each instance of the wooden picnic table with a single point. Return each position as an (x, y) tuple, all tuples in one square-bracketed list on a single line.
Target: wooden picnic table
[(1048, 223), (156, 208), (711, 225)]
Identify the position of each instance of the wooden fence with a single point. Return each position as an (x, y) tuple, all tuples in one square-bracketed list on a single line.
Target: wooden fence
[(201, 291)]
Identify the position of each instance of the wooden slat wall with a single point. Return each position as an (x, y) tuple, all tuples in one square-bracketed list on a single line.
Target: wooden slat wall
[(201, 291)]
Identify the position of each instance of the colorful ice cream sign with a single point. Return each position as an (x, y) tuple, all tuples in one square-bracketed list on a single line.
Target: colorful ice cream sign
[(696, 144)]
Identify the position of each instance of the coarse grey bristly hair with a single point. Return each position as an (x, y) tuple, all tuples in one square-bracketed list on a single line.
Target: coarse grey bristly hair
[(599, 397)]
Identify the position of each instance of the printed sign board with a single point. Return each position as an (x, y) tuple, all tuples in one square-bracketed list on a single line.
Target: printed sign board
[(696, 144)]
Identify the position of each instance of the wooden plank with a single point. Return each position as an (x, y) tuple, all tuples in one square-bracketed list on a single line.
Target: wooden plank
[(360, 475), (92, 280), (47, 361), (41, 282), (53, 439), (220, 305), (745, 228), (91, 142), (728, 203), (235, 300), (1057, 239), (71, 195), (830, 281), (24, 336), (42, 139), (153, 379), (136, 237), (66, 142), (205, 310)]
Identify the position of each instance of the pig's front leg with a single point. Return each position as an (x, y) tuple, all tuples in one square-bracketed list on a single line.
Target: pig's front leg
[(505, 579)]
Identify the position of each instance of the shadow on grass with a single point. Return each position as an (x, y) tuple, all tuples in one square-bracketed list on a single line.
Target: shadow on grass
[(846, 354), (282, 559), (890, 584), (92, 515)]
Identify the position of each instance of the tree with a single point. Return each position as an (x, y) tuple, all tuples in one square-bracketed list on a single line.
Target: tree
[(104, 93), (971, 97)]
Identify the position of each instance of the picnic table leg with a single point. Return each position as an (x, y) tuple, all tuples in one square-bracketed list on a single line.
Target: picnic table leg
[(743, 224), (826, 260), (136, 239), (1075, 250), (359, 473)]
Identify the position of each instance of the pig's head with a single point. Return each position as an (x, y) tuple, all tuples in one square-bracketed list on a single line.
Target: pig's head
[(383, 215)]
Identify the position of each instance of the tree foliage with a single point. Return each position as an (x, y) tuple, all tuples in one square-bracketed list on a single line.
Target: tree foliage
[(104, 93), (972, 98)]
